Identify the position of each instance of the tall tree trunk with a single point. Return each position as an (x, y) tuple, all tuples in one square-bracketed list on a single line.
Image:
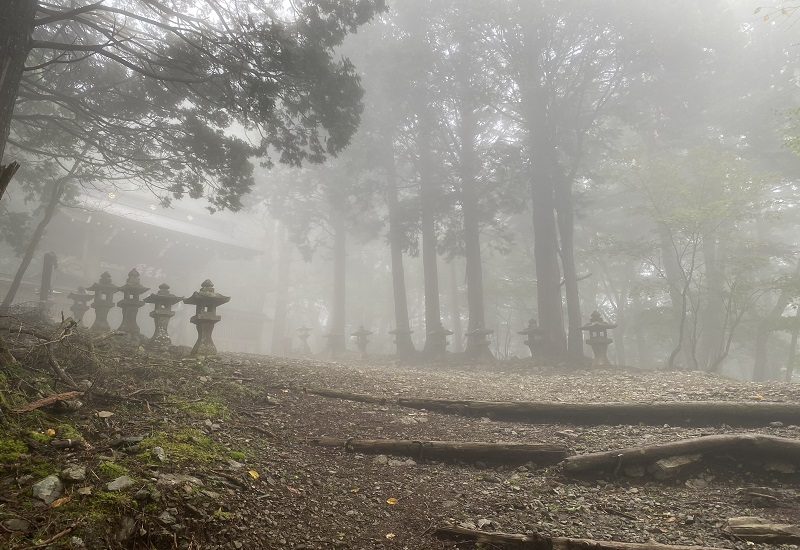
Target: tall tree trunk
[(566, 229), (52, 206), (279, 331), (435, 335), (337, 323), (405, 346), (713, 335), (477, 346), (455, 308), (542, 183), (16, 27)]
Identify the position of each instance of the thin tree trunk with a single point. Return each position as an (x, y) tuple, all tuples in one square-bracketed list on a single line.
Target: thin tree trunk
[(52, 206), (455, 305), (279, 332), (405, 346), (337, 322)]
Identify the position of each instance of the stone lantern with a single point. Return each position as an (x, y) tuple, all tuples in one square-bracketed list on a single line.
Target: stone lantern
[(104, 291), (361, 340), (303, 334), (477, 344), (163, 300), (80, 303), (536, 336), (130, 304), (598, 338), (206, 301)]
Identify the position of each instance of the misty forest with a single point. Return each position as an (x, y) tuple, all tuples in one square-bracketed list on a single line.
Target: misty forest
[(423, 274)]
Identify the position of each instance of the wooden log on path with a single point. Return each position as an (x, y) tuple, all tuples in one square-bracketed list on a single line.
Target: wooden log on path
[(677, 413), (349, 396), (762, 531), (755, 446), (542, 454), (541, 542)]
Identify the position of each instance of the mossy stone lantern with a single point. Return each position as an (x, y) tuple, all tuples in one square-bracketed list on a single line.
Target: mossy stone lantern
[(163, 300), (104, 291), (130, 305), (80, 303), (206, 301), (598, 338), (536, 336), (361, 339)]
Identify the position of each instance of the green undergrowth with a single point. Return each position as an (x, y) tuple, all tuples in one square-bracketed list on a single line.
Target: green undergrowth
[(188, 446), (206, 408)]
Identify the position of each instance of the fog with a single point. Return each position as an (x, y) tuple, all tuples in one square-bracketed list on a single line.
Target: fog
[(510, 164)]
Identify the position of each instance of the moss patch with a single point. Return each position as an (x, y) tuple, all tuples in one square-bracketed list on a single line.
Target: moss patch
[(189, 446)]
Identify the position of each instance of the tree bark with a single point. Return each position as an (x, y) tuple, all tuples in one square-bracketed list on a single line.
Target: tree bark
[(16, 27), (455, 307), (496, 453), (405, 346), (754, 446)]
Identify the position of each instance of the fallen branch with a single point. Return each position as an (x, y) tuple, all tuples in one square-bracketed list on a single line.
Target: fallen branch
[(541, 542), (539, 453), (49, 400), (744, 445)]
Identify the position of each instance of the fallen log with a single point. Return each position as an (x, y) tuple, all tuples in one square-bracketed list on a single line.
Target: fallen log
[(349, 396), (541, 542), (762, 531), (519, 453), (740, 445), (677, 413)]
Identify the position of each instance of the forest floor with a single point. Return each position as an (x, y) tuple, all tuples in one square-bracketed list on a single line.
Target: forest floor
[(167, 451)]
